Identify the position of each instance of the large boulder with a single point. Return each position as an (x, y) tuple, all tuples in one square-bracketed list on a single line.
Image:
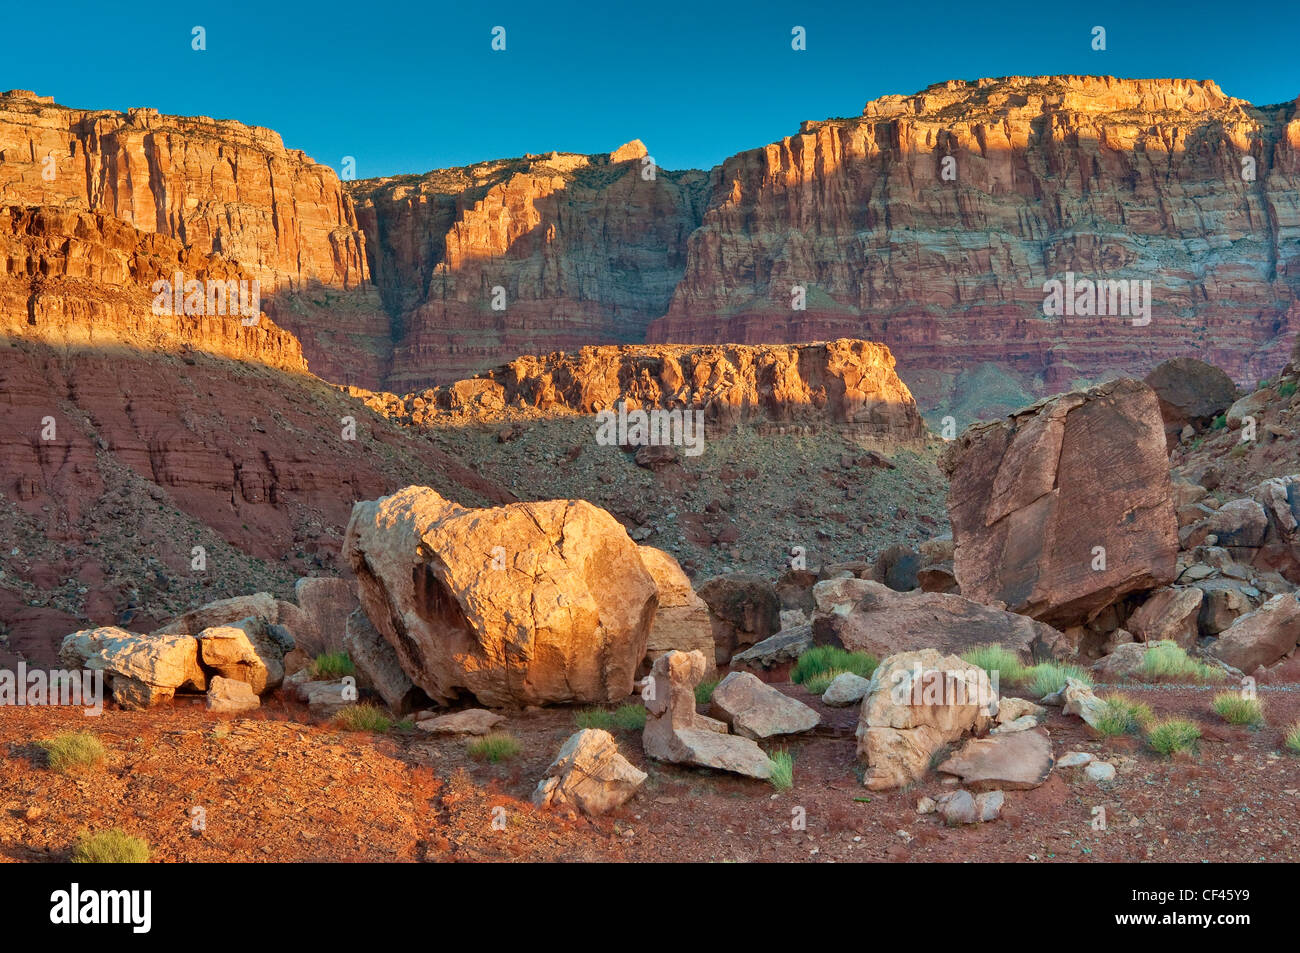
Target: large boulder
[(590, 774), (525, 604), (325, 603), (1261, 637), (754, 709), (260, 605), (1189, 392), (377, 665), (245, 652), (1280, 550), (675, 732), (1063, 508), (682, 620), (1016, 761), (866, 616), (745, 610), (141, 670), (1170, 613), (918, 703)]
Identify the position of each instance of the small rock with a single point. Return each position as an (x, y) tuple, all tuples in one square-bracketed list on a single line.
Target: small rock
[(846, 689), (1100, 771), (1074, 759), (472, 721)]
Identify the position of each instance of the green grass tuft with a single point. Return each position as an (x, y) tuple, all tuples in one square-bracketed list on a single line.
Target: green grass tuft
[(330, 665), (822, 659), (629, 717), (1287, 389), (1048, 677), (782, 762), (994, 658), (1173, 735), (73, 749), (1124, 716), (110, 847), (364, 717), (817, 684), (1292, 737), (1168, 662), (495, 747), (704, 691), (1236, 710), (594, 718)]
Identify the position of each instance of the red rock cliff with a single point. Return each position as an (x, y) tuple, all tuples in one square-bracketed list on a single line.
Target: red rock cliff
[(1108, 178)]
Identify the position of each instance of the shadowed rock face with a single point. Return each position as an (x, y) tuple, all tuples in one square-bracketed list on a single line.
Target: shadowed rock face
[(517, 605), (1034, 496)]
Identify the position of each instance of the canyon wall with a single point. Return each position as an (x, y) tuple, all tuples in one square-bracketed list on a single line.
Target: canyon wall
[(584, 249), (219, 187), (1106, 178)]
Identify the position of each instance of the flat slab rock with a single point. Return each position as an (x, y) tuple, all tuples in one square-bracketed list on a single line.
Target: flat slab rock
[(756, 710), (1017, 761), (472, 721)]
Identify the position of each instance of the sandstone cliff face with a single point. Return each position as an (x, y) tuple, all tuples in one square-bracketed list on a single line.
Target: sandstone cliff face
[(587, 250), (850, 385), (1110, 179), (218, 187)]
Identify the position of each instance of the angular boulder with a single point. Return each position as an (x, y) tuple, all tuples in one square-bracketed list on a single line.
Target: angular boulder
[(1171, 614), (223, 612), (141, 670), (471, 721), (682, 620), (745, 610), (866, 616), (786, 646), (525, 604), (1063, 508), (675, 732), (229, 696), (247, 651), (378, 666), (754, 709), (1261, 637), (1016, 761), (918, 703), (589, 774), (325, 603), (1189, 392)]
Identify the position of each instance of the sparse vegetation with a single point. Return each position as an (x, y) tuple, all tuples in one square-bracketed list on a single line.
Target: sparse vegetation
[(994, 658), (782, 762), (1124, 716), (1168, 662), (822, 660), (72, 750), (110, 847), (629, 717), (1237, 710), (1173, 736), (1292, 737), (495, 747), (1287, 389), (1219, 422), (332, 665), (364, 717), (1048, 677), (704, 691)]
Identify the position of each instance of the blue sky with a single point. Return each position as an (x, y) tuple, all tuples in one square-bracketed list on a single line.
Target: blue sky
[(407, 87)]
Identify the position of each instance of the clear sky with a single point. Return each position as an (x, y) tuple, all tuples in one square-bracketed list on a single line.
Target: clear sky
[(408, 87)]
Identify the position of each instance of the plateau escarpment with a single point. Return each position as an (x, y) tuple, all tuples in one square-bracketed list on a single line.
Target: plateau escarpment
[(932, 222), (547, 252)]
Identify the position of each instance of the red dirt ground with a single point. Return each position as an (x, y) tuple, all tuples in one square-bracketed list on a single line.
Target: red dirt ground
[(278, 786)]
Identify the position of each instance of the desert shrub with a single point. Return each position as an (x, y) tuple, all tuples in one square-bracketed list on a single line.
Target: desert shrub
[(1219, 422), (110, 847), (821, 659), (594, 718), (1048, 677), (1287, 389), (364, 717), (332, 665), (1236, 710), (72, 749), (994, 658), (704, 691), (1168, 662), (495, 747), (1173, 735), (1123, 716), (817, 684), (1292, 737), (630, 717), (782, 777)]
